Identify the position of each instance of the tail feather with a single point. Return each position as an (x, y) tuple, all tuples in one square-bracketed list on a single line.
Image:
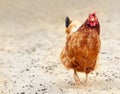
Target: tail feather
[(67, 21)]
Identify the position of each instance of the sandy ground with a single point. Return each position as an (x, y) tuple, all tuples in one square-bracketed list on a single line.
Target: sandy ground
[(32, 34)]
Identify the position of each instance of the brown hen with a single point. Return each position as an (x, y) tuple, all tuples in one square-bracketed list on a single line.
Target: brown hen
[(82, 46)]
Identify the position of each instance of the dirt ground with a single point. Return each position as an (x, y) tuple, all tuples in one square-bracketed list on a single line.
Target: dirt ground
[(32, 34)]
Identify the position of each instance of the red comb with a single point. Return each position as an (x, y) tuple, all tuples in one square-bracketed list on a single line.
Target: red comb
[(93, 13)]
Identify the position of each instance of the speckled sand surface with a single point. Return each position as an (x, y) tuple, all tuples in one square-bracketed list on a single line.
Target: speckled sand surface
[(32, 36)]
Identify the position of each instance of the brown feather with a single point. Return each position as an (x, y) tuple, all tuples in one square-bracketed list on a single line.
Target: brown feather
[(82, 49)]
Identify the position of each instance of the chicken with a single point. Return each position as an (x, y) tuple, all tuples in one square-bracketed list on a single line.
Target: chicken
[(82, 47)]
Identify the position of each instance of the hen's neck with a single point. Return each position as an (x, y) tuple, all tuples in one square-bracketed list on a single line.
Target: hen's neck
[(85, 25)]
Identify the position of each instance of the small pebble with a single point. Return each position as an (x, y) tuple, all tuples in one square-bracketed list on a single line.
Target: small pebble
[(96, 73), (27, 69), (43, 89), (40, 84), (106, 79), (22, 93)]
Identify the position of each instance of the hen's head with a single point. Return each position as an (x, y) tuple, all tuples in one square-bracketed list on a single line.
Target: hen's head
[(92, 20)]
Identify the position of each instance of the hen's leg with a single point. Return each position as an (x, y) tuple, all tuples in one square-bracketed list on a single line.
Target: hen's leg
[(86, 80), (76, 77)]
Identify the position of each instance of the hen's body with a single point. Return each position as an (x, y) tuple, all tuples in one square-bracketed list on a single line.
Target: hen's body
[(81, 50), (83, 47)]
